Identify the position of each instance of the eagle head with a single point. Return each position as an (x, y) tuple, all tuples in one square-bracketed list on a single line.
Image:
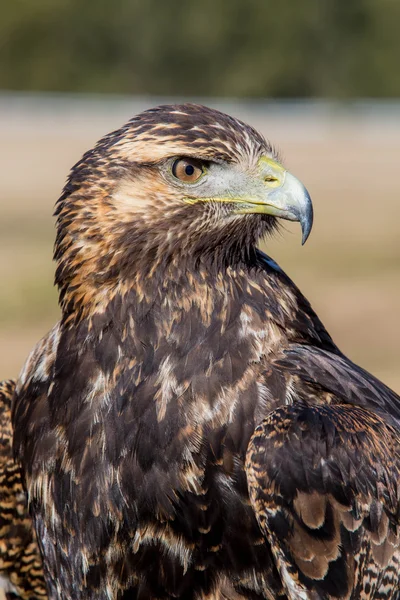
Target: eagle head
[(177, 184)]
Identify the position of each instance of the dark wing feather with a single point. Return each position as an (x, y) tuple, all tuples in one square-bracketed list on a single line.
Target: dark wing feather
[(20, 561), (324, 483), (334, 373)]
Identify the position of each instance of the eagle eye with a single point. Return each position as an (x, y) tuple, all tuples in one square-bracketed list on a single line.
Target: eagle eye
[(188, 170)]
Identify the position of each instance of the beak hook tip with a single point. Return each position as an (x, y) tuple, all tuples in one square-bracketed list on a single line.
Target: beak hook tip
[(306, 221)]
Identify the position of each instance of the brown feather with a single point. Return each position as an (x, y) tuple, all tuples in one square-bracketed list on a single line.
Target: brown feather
[(20, 561)]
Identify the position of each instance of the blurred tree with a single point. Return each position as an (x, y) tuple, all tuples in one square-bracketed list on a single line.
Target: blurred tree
[(294, 48)]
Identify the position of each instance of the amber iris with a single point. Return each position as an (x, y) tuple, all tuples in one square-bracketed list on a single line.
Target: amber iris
[(188, 170)]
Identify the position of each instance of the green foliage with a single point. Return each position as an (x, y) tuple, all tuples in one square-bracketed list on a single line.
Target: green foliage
[(247, 48)]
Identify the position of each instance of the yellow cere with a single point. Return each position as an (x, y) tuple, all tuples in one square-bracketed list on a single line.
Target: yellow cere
[(272, 172)]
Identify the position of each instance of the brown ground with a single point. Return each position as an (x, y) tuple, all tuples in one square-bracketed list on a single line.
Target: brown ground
[(349, 268)]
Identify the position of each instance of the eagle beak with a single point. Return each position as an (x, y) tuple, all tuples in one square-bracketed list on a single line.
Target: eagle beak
[(283, 196), (291, 201)]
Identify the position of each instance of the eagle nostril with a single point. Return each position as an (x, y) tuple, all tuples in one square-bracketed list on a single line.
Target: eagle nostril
[(270, 179)]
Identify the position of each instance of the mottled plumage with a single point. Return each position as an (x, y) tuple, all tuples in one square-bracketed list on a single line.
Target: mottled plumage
[(189, 429), (324, 482), (21, 572)]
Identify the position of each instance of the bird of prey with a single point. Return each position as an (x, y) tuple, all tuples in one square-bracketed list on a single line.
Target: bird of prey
[(189, 429), (21, 574)]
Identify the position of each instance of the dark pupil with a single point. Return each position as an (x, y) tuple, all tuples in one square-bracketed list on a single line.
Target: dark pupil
[(189, 170)]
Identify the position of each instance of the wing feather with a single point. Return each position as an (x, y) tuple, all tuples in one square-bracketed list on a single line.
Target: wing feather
[(324, 483), (20, 561), (336, 374)]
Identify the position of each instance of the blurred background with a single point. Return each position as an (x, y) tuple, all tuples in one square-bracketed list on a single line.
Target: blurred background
[(320, 78)]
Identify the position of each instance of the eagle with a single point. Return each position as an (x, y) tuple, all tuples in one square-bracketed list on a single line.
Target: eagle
[(189, 429)]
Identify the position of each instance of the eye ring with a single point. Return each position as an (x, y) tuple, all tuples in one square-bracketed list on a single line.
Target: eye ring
[(188, 170)]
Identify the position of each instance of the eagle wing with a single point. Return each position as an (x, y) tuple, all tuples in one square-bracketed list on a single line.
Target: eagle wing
[(323, 476), (20, 561)]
